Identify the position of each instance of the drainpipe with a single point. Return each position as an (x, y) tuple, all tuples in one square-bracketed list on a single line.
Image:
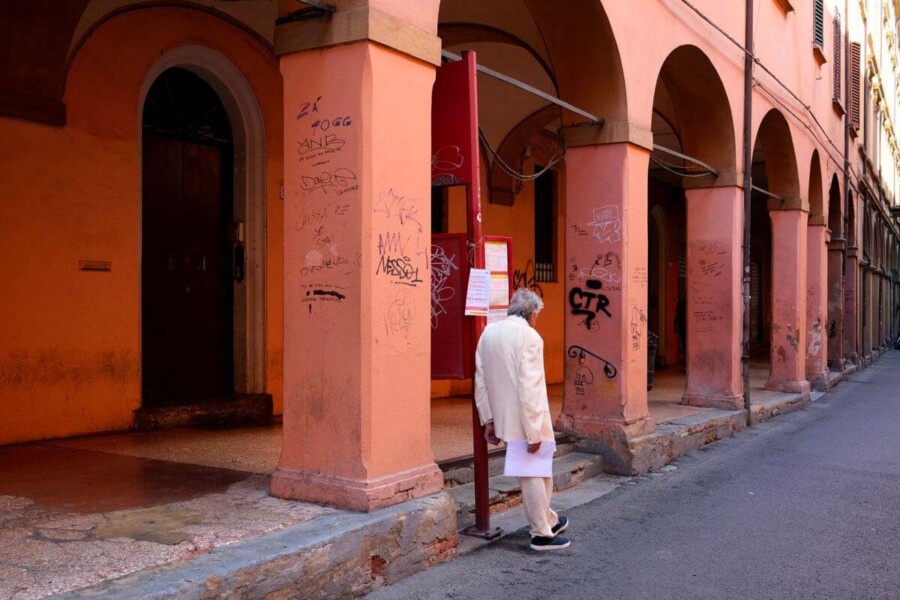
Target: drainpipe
[(845, 220), (748, 190)]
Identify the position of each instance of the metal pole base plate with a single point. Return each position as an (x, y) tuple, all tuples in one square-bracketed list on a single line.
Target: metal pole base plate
[(492, 533)]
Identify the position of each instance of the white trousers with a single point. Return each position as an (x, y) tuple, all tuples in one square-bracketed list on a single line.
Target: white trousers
[(536, 494)]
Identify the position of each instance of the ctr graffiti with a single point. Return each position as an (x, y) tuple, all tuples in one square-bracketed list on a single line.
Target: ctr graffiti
[(589, 302)]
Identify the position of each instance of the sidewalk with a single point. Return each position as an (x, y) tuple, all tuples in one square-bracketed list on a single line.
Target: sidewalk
[(186, 513)]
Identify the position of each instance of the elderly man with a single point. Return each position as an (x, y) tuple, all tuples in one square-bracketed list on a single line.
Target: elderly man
[(511, 397)]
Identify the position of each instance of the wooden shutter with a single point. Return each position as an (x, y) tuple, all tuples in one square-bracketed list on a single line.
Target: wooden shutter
[(854, 84), (819, 23), (837, 59)]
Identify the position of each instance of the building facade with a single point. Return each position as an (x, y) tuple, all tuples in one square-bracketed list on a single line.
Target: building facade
[(198, 198)]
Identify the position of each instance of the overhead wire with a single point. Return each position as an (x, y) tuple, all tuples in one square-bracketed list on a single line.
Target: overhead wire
[(759, 63), (556, 159)]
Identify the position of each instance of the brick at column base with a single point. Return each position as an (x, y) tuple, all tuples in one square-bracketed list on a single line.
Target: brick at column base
[(723, 401), (609, 438), (791, 387), (837, 365), (362, 495)]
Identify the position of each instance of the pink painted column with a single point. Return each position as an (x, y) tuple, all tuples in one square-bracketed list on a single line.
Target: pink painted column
[(850, 306), (606, 296), (835, 328), (788, 352), (817, 303), (714, 301), (357, 430)]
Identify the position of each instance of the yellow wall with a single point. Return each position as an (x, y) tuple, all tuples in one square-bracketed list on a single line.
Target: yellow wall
[(70, 339)]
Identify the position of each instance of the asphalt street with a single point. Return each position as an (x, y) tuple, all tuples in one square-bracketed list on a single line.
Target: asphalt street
[(804, 506)]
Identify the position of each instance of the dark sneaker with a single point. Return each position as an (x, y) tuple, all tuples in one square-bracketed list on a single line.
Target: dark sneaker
[(544, 543), (561, 525)]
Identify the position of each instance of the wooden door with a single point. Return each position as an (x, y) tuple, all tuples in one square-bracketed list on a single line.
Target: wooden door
[(187, 291)]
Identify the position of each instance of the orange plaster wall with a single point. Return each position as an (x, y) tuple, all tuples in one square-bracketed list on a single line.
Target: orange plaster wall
[(517, 222), (70, 351)]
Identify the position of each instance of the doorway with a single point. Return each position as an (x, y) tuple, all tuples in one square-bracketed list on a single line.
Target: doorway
[(189, 261)]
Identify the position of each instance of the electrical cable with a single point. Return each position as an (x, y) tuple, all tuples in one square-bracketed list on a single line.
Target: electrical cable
[(673, 168), (557, 158)]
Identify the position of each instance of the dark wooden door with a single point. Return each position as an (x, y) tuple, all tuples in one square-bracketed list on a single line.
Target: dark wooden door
[(187, 291)]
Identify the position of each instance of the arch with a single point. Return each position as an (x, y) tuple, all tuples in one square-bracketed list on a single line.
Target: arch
[(835, 222), (775, 147), (580, 39), (689, 87), (249, 134), (814, 196)]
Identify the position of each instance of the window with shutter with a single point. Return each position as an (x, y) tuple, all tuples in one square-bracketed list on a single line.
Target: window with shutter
[(819, 32), (855, 50), (836, 97)]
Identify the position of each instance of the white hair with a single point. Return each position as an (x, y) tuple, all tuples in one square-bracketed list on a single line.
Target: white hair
[(525, 303)]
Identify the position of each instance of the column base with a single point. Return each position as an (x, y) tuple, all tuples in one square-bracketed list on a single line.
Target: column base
[(363, 495), (791, 387), (616, 440), (818, 381), (723, 401)]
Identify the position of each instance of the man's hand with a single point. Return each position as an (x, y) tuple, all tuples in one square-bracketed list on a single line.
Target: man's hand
[(532, 448), (489, 434)]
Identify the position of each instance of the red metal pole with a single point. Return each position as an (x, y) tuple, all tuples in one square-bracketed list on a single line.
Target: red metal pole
[(476, 254)]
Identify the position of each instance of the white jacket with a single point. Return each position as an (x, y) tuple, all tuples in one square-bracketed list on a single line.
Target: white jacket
[(510, 388)]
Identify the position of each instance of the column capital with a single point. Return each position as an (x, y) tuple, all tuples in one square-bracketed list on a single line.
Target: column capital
[(788, 203), (621, 132), (358, 24), (726, 178), (817, 221)]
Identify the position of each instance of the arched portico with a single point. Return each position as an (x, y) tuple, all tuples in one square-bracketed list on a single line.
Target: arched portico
[(779, 229), (707, 206)]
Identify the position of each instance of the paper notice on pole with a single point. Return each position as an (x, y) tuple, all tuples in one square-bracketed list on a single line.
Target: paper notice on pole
[(519, 463), (478, 295)]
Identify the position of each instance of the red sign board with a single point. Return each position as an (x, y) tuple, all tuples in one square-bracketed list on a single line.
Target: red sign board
[(454, 124), (450, 333)]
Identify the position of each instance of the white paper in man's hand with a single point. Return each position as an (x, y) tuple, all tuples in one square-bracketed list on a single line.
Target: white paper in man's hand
[(519, 463)]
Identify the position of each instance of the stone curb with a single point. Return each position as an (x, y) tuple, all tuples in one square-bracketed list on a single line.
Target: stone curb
[(334, 556)]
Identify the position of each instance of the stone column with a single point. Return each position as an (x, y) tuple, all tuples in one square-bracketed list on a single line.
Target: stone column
[(788, 352), (714, 300), (606, 296), (817, 302), (849, 306), (357, 431), (835, 327)]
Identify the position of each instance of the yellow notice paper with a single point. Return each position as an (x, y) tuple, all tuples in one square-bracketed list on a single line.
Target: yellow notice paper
[(519, 463)]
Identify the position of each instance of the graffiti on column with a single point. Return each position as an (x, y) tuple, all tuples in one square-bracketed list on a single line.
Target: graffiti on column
[(401, 313), (583, 377), (403, 259), (638, 322), (707, 285), (606, 266), (320, 141), (589, 302), (607, 225)]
